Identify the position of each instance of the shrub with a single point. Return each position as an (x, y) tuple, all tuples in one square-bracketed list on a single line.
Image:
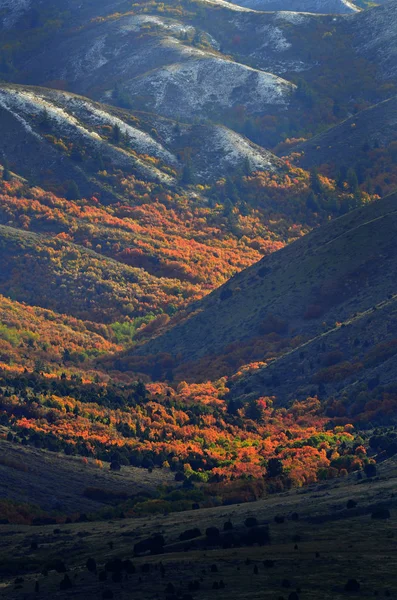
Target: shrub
[(190, 534), (128, 567), (257, 535), (381, 513), (66, 583), (91, 565), (113, 565), (154, 545), (370, 470), (212, 532), (279, 519), (352, 585), (268, 563), (251, 522)]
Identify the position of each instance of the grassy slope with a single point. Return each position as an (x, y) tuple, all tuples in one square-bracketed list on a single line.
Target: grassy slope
[(345, 267), (53, 481), (342, 144), (350, 545)]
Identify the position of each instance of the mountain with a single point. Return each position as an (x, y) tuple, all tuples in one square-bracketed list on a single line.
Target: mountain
[(312, 298), (376, 37), (149, 58), (212, 61)]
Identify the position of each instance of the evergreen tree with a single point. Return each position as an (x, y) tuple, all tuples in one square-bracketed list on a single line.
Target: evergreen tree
[(72, 191), (315, 182), (352, 180), (6, 171), (341, 177), (116, 136), (311, 202), (187, 173)]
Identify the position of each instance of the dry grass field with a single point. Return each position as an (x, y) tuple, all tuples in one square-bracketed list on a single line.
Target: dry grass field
[(312, 554)]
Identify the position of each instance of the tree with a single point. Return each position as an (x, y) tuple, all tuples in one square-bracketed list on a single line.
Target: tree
[(6, 171), (311, 202), (44, 120), (370, 470), (341, 177), (274, 467), (352, 180), (305, 93), (72, 191), (187, 173), (315, 182), (254, 411), (116, 133)]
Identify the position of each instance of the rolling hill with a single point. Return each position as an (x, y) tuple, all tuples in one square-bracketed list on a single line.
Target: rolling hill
[(316, 526)]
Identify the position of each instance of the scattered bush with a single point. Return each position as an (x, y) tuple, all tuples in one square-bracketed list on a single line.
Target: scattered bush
[(381, 513), (352, 585), (212, 533), (251, 522), (190, 534)]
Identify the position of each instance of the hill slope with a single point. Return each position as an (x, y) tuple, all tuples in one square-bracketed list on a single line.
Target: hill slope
[(317, 529), (335, 274), (347, 143), (214, 61), (77, 139)]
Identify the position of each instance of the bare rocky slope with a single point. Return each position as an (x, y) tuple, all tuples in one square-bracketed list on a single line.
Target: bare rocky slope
[(209, 58), (213, 63), (76, 139)]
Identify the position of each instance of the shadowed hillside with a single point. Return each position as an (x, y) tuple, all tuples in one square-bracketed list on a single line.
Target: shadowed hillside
[(333, 275)]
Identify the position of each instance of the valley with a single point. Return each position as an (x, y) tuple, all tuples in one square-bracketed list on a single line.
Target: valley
[(198, 319)]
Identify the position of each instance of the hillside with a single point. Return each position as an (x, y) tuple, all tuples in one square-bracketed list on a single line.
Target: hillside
[(333, 275), (212, 61), (363, 145), (78, 139), (348, 142), (306, 538), (60, 483)]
